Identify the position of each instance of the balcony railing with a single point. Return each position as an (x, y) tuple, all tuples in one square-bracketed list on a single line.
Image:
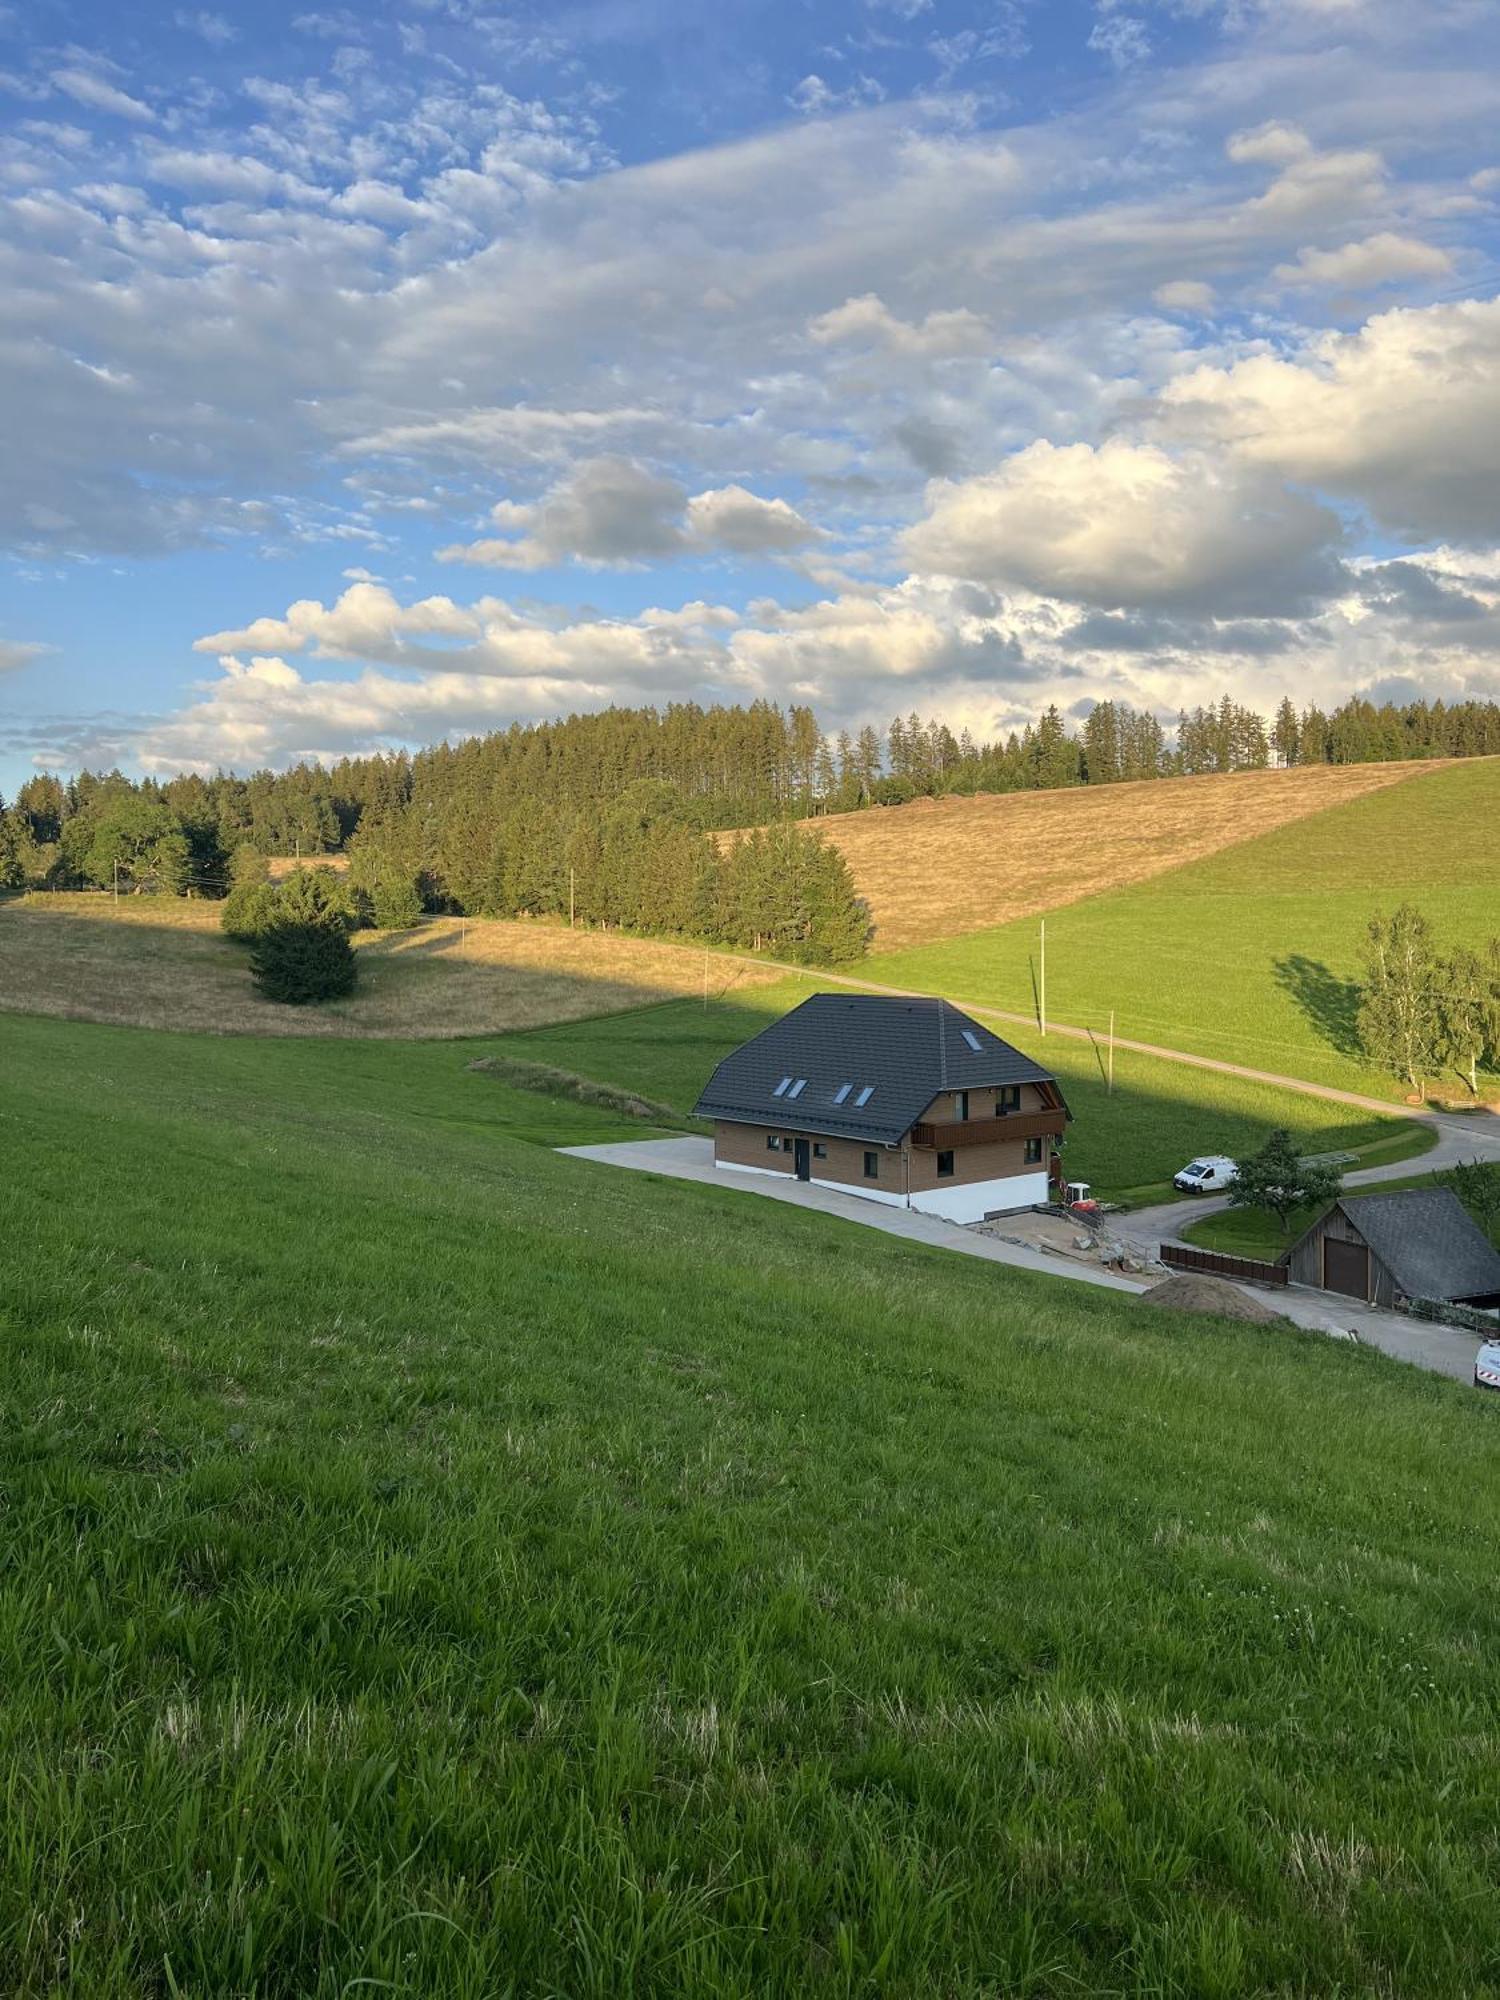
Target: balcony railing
[(985, 1131)]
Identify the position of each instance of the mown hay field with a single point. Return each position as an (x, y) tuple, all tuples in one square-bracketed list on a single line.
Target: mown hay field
[(1251, 955), (162, 962), (938, 867)]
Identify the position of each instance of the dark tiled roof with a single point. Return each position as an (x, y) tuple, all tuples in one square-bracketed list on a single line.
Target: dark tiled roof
[(908, 1049), (1428, 1241)]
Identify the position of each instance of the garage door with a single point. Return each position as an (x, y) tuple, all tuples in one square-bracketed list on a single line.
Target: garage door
[(1346, 1268)]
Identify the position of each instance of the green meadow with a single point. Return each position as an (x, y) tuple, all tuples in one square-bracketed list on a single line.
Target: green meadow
[(434, 1566), (1251, 956), (1127, 1143)]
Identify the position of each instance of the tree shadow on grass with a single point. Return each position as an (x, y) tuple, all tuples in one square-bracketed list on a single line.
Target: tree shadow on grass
[(1329, 1002)]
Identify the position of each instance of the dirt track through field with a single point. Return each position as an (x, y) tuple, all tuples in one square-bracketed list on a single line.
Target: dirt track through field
[(940, 867)]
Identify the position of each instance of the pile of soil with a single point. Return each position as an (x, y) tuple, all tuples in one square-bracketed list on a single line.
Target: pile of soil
[(1196, 1292)]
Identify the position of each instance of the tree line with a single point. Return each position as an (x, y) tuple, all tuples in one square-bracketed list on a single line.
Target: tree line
[(604, 818)]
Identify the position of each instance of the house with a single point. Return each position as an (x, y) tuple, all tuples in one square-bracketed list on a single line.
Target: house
[(903, 1101), (1421, 1243)]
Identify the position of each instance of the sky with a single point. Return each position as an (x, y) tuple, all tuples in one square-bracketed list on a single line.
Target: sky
[(374, 376)]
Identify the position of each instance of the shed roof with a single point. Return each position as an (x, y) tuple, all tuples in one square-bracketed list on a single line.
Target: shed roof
[(902, 1052), (1427, 1240)]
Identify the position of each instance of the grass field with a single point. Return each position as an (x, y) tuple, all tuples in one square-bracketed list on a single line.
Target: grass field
[(1128, 1143), (163, 962), (1251, 955), (437, 1567), (938, 867)]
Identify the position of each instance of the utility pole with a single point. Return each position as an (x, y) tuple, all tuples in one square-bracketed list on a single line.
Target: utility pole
[(117, 885), (1111, 1090), (1043, 1001), (705, 982), (571, 880)]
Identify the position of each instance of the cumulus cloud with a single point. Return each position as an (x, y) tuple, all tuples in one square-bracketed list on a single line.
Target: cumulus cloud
[(611, 512), (1378, 260), (1402, 416), (869, 322), (1132, 525)]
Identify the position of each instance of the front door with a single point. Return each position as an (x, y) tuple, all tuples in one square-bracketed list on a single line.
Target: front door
[(802, 1155), (1346, 1268)]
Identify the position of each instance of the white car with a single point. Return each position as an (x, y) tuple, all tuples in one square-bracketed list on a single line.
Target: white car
[(1487, 1366), (1206, 1175)]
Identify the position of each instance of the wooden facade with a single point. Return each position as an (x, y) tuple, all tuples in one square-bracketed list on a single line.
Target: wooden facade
[(941, 1150), (1334, 1257)]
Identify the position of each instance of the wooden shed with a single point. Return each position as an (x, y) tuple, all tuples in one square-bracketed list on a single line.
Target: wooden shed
[(1420, 1243)]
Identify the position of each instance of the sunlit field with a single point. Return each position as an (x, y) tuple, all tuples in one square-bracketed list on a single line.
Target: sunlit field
[(163, 962), (1252, 955), (436, 1566)]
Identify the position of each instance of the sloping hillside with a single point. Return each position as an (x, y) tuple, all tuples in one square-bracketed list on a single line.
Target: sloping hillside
[(438, 1567), (937, 867), (1250, 955), (161, 962)]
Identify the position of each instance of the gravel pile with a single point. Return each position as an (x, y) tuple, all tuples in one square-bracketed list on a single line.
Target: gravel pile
[(1196, 1292)]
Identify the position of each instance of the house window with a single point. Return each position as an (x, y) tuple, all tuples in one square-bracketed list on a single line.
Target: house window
[(866, 1092), (798, 1087), (961, 1106), (1033, 1152), (820, 1152), (1008, 1098), (773, 1142), (872, 1166), (842, 1092), (782, 1087), (973, 1040), (945, 1166)]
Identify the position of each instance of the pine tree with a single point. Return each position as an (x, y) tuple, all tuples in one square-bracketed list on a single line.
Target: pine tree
[(302, 964)]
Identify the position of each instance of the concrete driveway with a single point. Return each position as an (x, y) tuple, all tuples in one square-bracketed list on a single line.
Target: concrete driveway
[(1441, 1350)]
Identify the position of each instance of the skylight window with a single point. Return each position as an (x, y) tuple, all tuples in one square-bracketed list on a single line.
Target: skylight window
[(866, 1092), (842, 1092), (781, 1088), (798, 1087), (973, 1041)]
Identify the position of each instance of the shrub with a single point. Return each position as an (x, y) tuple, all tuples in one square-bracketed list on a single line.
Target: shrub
[(249, 908), (395, 904), (301, 963)]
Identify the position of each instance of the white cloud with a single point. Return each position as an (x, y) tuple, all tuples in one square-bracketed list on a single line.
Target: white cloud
[(85, 87), (1381, 259), (869, 321), (612, 512), (1131, 525), (1273, 144), (18, 653), (1122, 38), (1403, 416), (215, 29), (1185, 295)]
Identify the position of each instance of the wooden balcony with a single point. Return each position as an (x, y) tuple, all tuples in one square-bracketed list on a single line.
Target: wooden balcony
[(986, 1131)]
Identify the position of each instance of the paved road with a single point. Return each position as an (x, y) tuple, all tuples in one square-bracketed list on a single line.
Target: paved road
[(1475, 1137), (1441, 1350)]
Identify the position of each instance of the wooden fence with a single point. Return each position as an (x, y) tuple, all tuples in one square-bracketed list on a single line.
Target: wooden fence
[(1249, 1268)]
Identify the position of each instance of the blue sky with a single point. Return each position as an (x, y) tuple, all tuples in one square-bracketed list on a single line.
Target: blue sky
[(377, 375)]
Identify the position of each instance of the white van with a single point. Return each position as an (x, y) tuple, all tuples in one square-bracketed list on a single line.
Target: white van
[(1207, 1175)]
